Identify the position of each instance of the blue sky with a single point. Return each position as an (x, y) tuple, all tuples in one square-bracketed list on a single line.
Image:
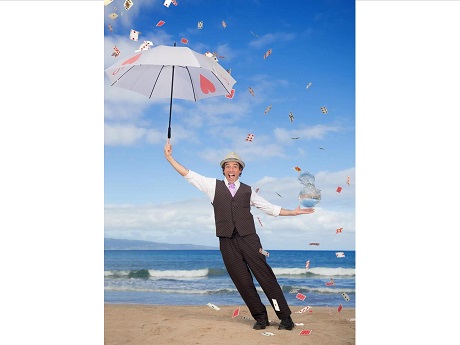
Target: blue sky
[(52, 176), (312, 42)]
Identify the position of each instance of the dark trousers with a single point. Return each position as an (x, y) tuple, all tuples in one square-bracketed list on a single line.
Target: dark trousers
[(241, 257)]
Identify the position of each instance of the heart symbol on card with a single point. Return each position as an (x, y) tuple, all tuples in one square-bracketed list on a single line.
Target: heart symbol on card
[(131, 59), (206, 86)]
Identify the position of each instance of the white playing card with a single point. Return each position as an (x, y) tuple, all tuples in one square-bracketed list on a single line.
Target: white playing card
[(167, 3), (213, 306)]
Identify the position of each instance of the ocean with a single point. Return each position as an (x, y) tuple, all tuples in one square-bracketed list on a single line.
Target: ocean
[(199, 277)]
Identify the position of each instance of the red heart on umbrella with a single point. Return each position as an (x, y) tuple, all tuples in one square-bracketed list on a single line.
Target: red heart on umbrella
[(232, 93), (132, 59), (206, 86)]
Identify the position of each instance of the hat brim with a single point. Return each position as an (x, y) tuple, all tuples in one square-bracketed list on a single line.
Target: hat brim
[(232, 160)]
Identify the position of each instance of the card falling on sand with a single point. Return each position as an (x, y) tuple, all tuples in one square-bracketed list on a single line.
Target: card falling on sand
[(236, 313), (213, 306), (305, 332)]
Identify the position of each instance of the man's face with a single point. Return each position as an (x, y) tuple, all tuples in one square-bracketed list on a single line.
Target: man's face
[(232, 171)]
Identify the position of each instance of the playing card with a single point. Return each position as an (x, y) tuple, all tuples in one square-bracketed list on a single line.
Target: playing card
[(167, 3), (305, 332), (339, 189), (308, 85), (261, 251), (340, 254), (213, 306), (307, 264), (184, 40), (345, 296), (294, 291), (275, 304), (134, 35), (299, 323), (339, 309), (128, 4), (116, 51), (348, 180), (174, 2), (200, 25), (249, 137), (338, 231), (268, 109), (324, 110), (224, 24), (113, 16), (330, 283), (304, 309), (106, 2), (259, 220), (236, 313), (110, 28), (160, 23), (267, 53), (300, 296), (291, 116), (268, 334), (251, 91)]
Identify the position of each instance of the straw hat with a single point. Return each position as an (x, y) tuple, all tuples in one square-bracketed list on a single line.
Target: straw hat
[(232, 157)]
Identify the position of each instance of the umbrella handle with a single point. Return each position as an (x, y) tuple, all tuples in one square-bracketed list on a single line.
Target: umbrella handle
[(170, 103)]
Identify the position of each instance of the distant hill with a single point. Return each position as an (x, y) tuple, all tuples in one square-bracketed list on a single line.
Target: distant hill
[(117, 244)]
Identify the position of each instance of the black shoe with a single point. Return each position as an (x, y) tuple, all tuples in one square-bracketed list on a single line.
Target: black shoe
[(286, 323), (261, 324)]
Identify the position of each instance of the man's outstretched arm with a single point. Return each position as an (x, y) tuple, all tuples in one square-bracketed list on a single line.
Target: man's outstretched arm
[(176, 165)]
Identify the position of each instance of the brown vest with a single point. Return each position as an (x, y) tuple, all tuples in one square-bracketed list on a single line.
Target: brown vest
[(233, 212)]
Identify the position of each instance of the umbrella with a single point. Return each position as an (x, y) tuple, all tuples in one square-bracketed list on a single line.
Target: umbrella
[(171, 72)]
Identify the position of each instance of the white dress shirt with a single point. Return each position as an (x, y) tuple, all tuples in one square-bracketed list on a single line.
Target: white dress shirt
[(208, 186)]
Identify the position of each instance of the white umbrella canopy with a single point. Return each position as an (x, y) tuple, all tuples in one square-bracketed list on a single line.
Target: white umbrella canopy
[(171, 72)]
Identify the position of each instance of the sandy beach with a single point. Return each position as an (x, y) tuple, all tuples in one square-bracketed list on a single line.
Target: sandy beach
[(168, 325)]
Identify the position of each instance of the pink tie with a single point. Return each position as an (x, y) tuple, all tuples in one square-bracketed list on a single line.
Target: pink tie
[(232, 188)]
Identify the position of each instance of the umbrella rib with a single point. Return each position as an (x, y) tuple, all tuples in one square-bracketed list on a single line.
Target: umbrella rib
[(158, 76), (122, 75), (191, 83), (229, 92)]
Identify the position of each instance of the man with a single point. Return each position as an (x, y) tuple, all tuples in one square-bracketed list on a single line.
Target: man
[(239, 244)]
